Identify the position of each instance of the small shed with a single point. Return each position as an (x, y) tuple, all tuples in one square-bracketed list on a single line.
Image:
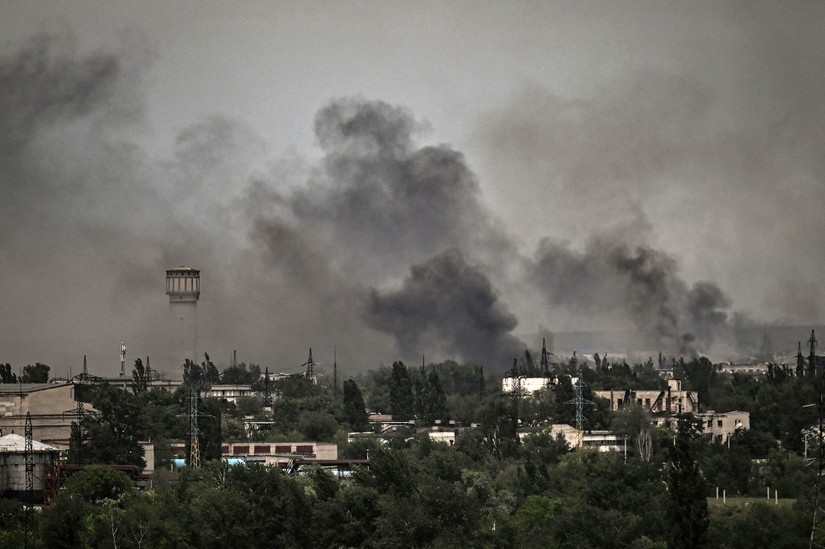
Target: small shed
[(13, 467)]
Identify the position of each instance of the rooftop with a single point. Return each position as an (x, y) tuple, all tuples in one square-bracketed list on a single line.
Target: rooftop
[(13, 444)]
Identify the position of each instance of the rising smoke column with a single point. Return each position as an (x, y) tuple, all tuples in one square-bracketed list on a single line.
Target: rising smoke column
[(447, 305), (375, 204), (384, 201), (640, 285)]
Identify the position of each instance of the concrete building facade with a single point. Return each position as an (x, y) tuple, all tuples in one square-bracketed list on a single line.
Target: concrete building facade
[(673, 400), (52, 407)]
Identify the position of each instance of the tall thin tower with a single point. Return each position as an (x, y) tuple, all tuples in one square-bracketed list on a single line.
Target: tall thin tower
[(183, 286)]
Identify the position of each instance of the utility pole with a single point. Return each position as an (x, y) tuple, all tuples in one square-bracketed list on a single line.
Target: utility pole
[(29, 460), (818, 515), (194, 443), (335, 374), (545, 358), (310, 366), (580, 403), (267, 391)]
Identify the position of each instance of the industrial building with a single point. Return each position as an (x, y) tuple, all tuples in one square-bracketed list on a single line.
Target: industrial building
[(52, 407), (673, 400), (277, 454)]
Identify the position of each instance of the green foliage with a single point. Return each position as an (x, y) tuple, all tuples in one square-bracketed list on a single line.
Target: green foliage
[(94, 484), (35, 373), (488, 490), (241, 374), (430, 400), (622, 376), (110, 437), (140, 377), (354, 411), (210, 411), (6, 374), (316, 425), (699, 374), (401, 393), (200, 377), (759, 525), (687, 506)]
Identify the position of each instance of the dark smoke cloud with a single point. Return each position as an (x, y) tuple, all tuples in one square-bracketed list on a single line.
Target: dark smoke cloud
[(376, 204), (447, 305), (384, 201), (639, 284)]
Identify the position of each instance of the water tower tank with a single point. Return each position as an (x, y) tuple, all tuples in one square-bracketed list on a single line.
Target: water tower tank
[(183, 284)]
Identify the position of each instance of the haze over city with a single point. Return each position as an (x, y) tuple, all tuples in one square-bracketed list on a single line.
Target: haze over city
[(389, 180)]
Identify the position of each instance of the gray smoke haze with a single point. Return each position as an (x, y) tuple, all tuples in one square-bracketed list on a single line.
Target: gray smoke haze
[(676, 201), (722, 154), (638, 284), (381, 201)]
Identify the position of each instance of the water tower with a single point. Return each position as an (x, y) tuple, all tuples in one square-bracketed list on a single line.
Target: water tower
[(183, 286)]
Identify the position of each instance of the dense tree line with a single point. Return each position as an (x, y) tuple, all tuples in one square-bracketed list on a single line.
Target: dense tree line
[(493, 488)]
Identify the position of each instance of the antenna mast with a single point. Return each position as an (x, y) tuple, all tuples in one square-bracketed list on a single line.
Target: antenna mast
[(335, 373), (267, 391), (122, 358)]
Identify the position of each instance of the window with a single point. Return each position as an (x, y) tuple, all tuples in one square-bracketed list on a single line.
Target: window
[(283, 449), (718, 422), (240, 450), (261, 448), (305, 449)]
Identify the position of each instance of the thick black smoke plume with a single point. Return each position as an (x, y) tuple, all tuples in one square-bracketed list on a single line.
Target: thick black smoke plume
[(447, 305)]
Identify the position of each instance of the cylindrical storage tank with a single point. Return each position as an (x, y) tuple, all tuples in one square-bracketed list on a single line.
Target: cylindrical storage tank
[(13, 468)]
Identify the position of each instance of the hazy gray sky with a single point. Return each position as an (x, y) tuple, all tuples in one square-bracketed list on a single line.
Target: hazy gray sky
[(337, 170)]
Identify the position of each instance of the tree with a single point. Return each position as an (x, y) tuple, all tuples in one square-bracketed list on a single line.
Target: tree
[(633, 423), (112, 436), (241, 374), (355, 412), (401, 395), (94, 484), (687, 504), (430, 400), (6, 375), (318, 426), (140, 376), (200, 376), (35, 373)]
